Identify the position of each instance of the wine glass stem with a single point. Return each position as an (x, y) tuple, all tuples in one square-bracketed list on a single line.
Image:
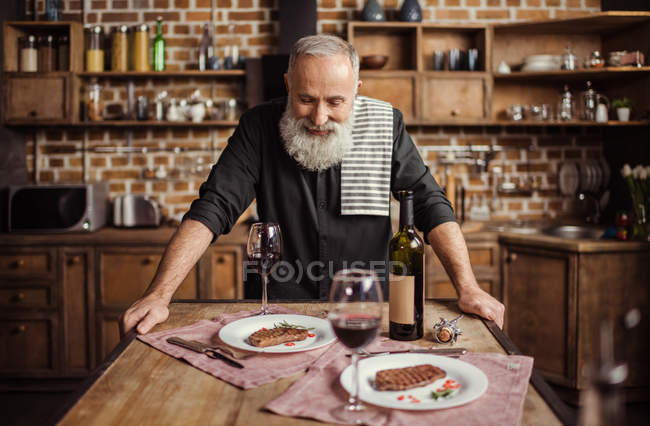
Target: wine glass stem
[(353, 400), (265, 308)]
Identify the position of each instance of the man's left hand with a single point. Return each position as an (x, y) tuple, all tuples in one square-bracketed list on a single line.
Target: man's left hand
[(477, 301)]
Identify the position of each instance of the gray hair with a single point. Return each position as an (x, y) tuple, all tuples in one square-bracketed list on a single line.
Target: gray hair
[(324, 45)]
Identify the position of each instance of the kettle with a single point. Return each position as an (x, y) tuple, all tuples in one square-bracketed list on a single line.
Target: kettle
[(135, 210), (589, 101)]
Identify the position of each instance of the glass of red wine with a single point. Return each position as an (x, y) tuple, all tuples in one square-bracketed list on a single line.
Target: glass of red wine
[(355, 315), (264, 249)]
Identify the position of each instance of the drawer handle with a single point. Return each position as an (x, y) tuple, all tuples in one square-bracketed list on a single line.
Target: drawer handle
[(17, 298), (18, 264), (19, 329), (32, 113), (148, 260), (74, 260), (511, 257), (455, 112), (221, 259)]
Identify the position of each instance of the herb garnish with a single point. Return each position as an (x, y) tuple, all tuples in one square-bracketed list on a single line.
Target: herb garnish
[(285, 324)]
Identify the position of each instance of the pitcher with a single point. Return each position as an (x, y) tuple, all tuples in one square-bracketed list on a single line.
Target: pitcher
[(589, 101)]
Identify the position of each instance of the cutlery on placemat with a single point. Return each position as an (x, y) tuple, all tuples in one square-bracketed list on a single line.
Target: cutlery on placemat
[(205, 349), (453, 352)]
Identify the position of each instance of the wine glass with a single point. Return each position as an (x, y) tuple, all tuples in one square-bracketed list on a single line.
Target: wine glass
[(355, 315), (264, 249)]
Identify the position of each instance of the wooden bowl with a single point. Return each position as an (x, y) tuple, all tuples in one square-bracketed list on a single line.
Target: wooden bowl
[(373, 62)]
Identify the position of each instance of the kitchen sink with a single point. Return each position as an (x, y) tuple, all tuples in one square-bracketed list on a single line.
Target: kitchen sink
[(575, 232)]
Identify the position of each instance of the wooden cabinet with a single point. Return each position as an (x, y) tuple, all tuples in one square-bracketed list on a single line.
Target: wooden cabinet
[(484, 257), (61, 296), (408, 80), (556, 299)]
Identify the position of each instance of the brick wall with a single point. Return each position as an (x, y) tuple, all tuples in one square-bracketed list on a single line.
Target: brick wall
[(532, 154)]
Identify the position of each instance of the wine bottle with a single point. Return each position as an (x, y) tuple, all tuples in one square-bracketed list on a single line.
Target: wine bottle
[(159, 48), (205, 49), (406, 288)]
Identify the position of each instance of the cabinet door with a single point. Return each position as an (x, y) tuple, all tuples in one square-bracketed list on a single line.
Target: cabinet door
[(225, 277), (453, 98), (25, 100), (539, 288), (29, 345), (125, 273), (397, 89), (77, 310)]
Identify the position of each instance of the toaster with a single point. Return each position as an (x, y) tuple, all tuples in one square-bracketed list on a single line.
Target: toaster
[(135, 210)]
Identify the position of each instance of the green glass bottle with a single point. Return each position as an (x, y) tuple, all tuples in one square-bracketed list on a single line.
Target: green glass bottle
[(159, 48), (406, 292)]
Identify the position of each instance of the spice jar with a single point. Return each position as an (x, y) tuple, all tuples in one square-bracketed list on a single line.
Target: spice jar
[(46, 54), (94, 49), (141, 48), (28, 54), (120, 48), (94, 102), (595, 60), (63, 50)]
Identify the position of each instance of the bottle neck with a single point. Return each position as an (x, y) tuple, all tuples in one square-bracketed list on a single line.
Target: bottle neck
[(159, 28), (406, 213)]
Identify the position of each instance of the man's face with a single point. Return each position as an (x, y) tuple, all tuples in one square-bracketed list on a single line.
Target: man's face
[(322, 90)]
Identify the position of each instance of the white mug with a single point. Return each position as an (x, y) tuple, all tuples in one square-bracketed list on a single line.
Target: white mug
[(601, 113)]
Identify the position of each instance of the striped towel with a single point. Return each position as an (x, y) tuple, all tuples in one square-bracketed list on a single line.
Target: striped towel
[(365, 172)]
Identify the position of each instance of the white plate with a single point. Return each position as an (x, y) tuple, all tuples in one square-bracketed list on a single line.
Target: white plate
[(473, 382), (569, 178), (236, 333)]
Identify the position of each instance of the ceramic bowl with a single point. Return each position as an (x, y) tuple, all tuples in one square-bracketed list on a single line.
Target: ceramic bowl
[(373, 62)]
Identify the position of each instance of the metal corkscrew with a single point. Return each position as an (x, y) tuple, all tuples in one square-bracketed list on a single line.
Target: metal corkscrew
[(447, 331)]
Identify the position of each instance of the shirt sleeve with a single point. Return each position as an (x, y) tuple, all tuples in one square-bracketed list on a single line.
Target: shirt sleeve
[(431, 206), (230, 187)]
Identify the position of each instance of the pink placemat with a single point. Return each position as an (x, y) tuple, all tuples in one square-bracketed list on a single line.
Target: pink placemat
[(258, 370), (315, 394)]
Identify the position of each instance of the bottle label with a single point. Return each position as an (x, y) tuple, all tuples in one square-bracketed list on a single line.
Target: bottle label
[(401, 307)]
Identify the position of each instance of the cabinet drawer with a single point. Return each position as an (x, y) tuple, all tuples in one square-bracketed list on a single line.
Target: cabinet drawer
[(28, 344), (24, 100), (453, 98), (18, 297), (125, 275), (20, 265), (225, 264)]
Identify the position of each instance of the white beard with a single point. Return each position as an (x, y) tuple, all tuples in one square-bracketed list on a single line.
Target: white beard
[(315, 153)]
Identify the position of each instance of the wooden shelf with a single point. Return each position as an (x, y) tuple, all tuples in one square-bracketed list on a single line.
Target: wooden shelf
[(594, 73), (128, 123), (604, 22), (163, 74), (507, 123)]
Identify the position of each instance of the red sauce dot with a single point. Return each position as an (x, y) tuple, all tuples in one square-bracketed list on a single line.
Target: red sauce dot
[(290, 344), (415, 400), (311, 335), (401, 397)]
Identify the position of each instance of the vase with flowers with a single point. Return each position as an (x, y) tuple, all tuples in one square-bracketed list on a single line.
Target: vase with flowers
[(638, 183)]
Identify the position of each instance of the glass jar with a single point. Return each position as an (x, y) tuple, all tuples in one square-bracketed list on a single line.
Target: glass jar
[(595, 60), (28, 54), (53, 9), (94, 103), (46, 54), (141, 48), (120, 49), (566, 106), (63, 53), (95, 49)]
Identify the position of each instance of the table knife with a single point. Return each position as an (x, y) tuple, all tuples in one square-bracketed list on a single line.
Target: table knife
[(433, 351), (202, 348)]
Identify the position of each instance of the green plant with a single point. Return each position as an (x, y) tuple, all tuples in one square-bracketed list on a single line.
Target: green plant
[(621, 103)]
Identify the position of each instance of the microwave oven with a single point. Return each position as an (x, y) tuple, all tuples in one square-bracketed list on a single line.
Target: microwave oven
[(57, 208)]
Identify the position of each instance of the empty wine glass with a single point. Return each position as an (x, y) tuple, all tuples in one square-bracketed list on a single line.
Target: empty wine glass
[(264, 249), (355, 315)]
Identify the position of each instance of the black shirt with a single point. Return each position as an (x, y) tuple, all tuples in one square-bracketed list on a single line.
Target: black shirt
[(317, 239)]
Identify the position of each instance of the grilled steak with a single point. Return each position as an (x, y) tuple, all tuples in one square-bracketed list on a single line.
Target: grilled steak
[(408, 377), (275, 336)]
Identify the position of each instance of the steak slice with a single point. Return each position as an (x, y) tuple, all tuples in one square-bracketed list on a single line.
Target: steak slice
[(275, 336), (408, 377)]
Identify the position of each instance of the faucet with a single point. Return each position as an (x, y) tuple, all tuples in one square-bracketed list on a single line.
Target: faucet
[(595, 218)]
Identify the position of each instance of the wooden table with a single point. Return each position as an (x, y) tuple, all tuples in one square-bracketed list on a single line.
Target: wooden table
[(138, 384)]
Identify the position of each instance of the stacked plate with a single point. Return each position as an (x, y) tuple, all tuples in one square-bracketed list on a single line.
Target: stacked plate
[(542, 63), (585, 176)]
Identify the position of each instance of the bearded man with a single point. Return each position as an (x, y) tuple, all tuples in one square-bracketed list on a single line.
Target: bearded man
[(322, 164)]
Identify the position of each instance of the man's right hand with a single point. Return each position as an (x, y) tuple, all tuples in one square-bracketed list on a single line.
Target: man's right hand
[(143, 315)]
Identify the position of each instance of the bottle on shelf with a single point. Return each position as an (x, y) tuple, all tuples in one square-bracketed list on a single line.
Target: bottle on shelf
[(28, 54), (159, 48), (94, 49), (46, 54), (205, 48), (406, 291), (120, 49), (141, 48), (63, 53)]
